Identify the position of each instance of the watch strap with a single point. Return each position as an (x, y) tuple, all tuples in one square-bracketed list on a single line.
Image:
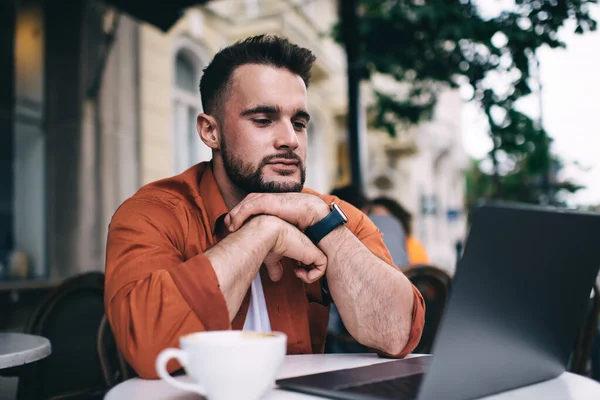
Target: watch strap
[(319, 230)]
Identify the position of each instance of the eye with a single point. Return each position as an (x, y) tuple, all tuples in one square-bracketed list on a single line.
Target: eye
[(298, 125), (262, 121)]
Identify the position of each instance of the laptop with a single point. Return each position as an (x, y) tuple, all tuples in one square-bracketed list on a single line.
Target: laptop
[(518, 298)]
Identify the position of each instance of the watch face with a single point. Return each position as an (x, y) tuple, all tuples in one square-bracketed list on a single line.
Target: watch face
[(339, 210)]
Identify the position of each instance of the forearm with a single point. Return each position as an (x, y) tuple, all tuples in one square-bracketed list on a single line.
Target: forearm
[(374, 299), (236, 261)]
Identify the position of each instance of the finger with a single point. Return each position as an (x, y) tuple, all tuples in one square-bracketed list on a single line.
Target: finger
[(253, 204), (309, 275), (316, 273), (274, 267), (297, 246), (275, 270), (301, 274)]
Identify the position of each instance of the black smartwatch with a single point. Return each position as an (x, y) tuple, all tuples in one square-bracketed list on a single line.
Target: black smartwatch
[(319, 230)]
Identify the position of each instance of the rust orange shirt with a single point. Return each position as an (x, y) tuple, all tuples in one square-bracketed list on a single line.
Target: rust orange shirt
[(160, 285)]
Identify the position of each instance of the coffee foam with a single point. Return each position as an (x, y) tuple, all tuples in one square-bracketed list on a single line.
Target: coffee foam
[(257, 335), (225, 337)]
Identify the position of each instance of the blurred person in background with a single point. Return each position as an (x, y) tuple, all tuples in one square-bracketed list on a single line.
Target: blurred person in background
[(393, 231), (353, 195), (386, 206)]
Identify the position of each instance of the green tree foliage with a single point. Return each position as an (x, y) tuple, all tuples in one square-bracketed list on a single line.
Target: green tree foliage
[(430, 45)]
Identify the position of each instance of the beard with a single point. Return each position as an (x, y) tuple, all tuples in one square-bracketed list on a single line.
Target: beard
[(251, 180)]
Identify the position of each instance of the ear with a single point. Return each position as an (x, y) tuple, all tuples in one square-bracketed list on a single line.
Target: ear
[(208, 129)]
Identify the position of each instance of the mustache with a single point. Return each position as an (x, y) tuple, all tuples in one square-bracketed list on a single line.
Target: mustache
[(286, 156)]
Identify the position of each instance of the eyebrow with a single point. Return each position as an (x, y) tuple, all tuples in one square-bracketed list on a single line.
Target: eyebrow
[(302, 114), (272, 110), (260, 110)]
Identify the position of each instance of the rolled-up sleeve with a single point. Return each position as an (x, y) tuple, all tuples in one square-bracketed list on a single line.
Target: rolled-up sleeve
[(416, 330), (152, 294)]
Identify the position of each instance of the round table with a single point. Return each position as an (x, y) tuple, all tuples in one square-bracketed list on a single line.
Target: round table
[(566, 386), (18, 349)]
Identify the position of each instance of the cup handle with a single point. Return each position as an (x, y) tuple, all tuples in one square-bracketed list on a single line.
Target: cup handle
[(161, 369)]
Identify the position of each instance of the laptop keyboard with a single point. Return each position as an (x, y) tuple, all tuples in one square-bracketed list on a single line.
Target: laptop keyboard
[(405, 386)]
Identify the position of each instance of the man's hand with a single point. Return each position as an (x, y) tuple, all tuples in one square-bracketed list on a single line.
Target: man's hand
[(291, 243), (299, 209)]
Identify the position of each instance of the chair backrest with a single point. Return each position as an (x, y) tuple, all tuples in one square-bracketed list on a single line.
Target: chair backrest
[(69, 317), (582, 351), (114, 367), (434, 284)]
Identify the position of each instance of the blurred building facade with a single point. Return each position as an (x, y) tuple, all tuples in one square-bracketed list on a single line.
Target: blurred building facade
[(104, 104), (423, 168)]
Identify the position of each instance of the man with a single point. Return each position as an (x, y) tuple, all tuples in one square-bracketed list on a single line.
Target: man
[(225, 245)]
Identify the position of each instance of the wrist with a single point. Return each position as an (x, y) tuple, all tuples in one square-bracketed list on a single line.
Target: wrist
[(319, 211), (265, 228), (336, 236), (334, 218)]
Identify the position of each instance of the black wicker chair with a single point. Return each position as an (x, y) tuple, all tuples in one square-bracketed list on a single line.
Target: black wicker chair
[(70, 318), (434, 284)]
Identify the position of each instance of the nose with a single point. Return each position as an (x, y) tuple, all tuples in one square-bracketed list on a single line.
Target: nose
[(286, 138)]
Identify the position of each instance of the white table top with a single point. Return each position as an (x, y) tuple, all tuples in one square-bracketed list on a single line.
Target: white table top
[(566, 386), (20, 348)]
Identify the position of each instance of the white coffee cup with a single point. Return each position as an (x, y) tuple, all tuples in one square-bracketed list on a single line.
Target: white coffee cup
[(226, 365)]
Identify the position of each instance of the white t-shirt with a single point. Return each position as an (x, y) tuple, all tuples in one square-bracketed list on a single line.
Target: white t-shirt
[(258, 318)]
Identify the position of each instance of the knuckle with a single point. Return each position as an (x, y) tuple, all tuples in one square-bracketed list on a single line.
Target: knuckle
[(243, 208), (322, 258)]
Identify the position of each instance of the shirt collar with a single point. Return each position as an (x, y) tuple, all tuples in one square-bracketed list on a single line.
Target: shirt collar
[(212, 199)]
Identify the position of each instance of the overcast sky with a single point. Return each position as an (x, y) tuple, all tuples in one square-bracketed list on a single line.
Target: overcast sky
[(571, 109)]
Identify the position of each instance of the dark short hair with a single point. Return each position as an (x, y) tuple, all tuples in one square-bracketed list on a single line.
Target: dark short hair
[(397, 211), (262, 49), (351, 194)]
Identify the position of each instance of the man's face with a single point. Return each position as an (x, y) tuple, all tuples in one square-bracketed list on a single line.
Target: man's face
[(263, 129)]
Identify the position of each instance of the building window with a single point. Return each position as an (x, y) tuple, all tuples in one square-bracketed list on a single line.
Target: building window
[(185, 73), (188, 148), (316, 175)]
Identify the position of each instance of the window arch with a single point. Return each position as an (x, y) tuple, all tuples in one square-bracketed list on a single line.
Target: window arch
[(185, 73), (316, 177), (188, 148)]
